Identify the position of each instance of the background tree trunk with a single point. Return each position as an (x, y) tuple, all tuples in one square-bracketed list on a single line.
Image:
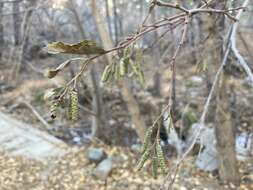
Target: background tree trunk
[(115, 19), (156, 56), (1, 30), (228, 169), (16, 22), (108, 17), (25, 38), (97, 121), (132, 105)]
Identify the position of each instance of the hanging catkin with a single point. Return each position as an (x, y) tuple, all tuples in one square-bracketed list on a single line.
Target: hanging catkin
[(154, 166), (73, 105), (53, 108), (106, 74), (143, 159), (147, 139), (160, 156)]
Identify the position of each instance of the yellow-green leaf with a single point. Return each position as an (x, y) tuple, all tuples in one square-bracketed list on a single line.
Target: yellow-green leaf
[(106, 74)]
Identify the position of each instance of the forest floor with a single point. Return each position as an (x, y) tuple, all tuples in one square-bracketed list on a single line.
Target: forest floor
[(74, 171)]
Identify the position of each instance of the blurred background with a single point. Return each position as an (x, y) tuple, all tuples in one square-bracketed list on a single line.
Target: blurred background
[(101, 149)]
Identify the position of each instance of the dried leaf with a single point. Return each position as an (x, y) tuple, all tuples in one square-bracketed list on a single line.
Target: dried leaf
[(51, 73), (86, 47)]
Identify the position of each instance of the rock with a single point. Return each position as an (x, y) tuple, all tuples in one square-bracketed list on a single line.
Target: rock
[(96, 155), (243, 145), (117, 160), (136, 148), (18, 138), (195, 81), (206, 137), (104, 168), (208, 159)]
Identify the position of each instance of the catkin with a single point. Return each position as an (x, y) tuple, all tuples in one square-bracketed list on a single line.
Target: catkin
[(154, 166), (106, 74), (117, 72), (160, 156), (143, 159), (122, 69), (134, 67), (146, 140), (124, 66), (53, 108), (73, 105), (141, 77)]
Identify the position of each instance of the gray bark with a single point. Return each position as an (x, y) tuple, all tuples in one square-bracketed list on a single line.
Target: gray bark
[(1, 31), (156, 55), (108, 17), (228, 169), (16, 23), (115, 18), (132, 105)]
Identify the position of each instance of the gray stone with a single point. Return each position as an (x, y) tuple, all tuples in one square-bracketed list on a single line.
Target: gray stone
[(96, 155), (243, 145), (136, 148), (117, 160), (18, 138), (196, 80), (104, 168), (207, 160)]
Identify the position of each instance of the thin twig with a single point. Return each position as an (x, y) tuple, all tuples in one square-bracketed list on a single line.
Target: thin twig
[(40, 118)]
